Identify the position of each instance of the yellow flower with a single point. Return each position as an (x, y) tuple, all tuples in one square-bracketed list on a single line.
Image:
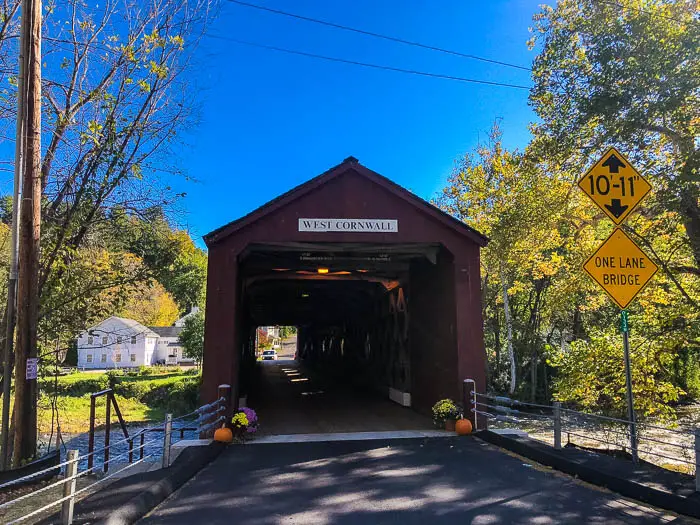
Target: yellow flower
[(239, 420)]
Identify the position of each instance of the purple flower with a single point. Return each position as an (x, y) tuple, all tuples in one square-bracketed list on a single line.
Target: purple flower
[(251, 415)]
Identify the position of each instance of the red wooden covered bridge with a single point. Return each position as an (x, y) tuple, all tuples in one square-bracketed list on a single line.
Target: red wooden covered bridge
[(381, 285)]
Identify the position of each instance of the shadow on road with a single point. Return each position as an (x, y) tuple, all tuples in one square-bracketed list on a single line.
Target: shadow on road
[(439, 481)]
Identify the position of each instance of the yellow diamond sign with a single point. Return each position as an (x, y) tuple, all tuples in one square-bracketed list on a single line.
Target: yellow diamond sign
[(621, 268), (614, 185)]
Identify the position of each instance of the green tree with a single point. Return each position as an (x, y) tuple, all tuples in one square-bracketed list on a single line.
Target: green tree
[(497, 192), (192, 337), (624, 73), (151, 305), (6, 209), (591, 375), (169, 254)]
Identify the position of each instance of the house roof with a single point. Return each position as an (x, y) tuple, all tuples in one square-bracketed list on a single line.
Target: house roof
[(166, 331), (180, 322), (121, 326), (351, 163)]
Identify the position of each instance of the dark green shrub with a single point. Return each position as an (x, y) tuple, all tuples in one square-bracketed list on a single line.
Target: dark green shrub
[(132, 389), (685, 372), (84, 386), (113, 377), (71, 355), (179, 397)]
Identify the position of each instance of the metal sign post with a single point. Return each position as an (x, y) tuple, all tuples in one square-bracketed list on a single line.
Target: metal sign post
[(624, 327)]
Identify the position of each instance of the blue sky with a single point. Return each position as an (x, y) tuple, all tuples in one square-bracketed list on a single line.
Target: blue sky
[(270, 120)]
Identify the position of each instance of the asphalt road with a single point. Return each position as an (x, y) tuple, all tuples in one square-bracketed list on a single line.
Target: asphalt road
[(426, 482), (288, 348)]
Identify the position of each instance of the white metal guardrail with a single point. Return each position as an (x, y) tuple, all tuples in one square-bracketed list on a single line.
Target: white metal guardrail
[(203, 420), (680, 445)]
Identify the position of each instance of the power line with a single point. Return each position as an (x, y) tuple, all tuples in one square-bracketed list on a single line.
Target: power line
[(378, 35), (366, 64)]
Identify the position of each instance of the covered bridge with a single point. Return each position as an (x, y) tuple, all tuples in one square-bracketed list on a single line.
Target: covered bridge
[(383, 287)]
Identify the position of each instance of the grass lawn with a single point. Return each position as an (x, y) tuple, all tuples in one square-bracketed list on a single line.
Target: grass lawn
[(74, 410), (74, 413)]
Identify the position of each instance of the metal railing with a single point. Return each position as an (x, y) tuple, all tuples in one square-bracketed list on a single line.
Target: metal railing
[(654, 443), (110, 402), (202, 420)]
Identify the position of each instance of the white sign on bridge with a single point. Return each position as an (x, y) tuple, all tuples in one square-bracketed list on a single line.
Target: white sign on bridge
[(349, 225)]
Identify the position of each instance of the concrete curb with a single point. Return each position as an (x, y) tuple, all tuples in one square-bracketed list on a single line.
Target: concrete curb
[(188, 463), (689, 506)]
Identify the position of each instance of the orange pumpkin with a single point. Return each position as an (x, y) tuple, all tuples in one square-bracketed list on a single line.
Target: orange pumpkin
[(223, 434), (463, 427)]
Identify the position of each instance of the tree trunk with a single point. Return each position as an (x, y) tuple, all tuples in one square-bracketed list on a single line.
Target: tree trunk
[(497, 344), (533, 375), (577, 331), (691, 221), (509, 330)]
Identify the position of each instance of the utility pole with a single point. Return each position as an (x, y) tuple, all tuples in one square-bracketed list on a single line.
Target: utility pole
[(10, 316), (29, 231)]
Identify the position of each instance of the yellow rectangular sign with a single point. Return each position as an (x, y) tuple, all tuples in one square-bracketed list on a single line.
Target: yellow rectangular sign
[(621, 268), (614, 185)]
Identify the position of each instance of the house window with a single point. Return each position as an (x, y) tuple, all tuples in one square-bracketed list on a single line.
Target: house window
[(133, 358), (117, 358), (103, 359), (89, 358), (133, 339), (91, 340), (119, 340), (104, 340)]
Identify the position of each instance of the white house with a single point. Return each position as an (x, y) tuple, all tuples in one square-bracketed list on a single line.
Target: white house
[(117, 343), (122, 343), (181, 322), (169, 350)]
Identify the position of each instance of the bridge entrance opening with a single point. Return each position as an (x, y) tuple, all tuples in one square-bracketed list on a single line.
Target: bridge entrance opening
[(351, 303), (383, 288)]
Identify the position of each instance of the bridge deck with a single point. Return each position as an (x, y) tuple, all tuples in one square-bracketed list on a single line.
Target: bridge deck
[(292, 400), (417, 481)]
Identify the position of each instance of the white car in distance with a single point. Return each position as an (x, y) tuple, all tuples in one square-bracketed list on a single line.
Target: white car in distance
[(269, 355)]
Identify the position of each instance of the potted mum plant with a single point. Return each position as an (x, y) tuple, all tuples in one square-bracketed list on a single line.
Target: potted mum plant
[(445, 414), (244, 423)]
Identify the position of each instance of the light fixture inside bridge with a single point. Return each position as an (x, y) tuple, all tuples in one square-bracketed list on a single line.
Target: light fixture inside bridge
[(322, 271)]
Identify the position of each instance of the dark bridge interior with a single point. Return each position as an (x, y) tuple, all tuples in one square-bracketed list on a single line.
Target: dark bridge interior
[(369, 317)]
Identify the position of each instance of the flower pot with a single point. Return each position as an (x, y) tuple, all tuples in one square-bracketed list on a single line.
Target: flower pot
[(450, 425)]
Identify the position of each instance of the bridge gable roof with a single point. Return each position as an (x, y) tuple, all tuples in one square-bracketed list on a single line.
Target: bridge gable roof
[(349, 166)]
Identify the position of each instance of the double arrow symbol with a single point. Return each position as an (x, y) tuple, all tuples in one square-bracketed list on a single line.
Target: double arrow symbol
[(614, 164)]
